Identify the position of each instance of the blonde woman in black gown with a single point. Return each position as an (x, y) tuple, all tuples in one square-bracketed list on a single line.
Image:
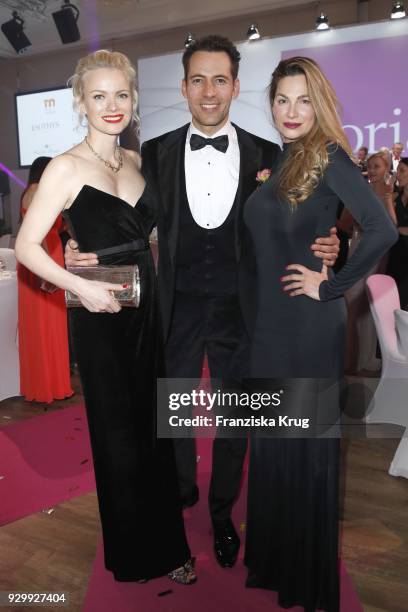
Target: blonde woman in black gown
[(299, 330), (99, 187)]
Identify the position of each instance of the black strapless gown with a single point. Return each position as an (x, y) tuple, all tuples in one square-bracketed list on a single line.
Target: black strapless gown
[(292, 522), (120, 357)]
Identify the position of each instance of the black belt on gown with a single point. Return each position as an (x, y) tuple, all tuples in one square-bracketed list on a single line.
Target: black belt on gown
[(135, 245)]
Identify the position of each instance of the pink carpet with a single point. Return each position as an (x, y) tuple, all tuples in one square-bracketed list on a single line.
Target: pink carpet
[(44, 461), (216, 590)]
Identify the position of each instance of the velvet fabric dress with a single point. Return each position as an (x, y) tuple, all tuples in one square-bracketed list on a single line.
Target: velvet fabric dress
[(43, 332), (120, 357), (292, 522)]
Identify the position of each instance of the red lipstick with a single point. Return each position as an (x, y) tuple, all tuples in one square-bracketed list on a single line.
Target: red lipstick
[(112, 118), (292, 126)]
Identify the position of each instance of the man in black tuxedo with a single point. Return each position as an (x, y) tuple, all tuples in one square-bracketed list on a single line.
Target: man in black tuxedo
[(202, 174), (202, 186), (396, 152)]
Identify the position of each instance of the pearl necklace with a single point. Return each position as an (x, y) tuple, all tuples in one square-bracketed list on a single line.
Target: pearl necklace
[(105, 161)]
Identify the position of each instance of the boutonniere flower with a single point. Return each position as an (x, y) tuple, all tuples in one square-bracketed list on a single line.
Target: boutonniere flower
[(263, 175)]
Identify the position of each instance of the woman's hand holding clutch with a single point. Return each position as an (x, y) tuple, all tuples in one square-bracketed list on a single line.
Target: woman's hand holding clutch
[(304, 281), (97, 296)]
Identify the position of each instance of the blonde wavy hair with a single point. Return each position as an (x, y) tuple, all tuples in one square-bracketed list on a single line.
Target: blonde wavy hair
[(379, 155), (103, 58), (304, 166)]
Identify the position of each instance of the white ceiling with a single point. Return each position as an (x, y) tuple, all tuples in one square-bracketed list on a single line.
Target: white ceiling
[(105, 19)]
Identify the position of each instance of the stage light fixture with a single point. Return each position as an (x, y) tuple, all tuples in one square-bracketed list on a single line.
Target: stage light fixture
[(398, 11), (13, 30), (66, 21), (322, 22), (190, 40), (253, 32)]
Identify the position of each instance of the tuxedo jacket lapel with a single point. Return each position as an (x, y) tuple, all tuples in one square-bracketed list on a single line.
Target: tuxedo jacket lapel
[(171, 176)]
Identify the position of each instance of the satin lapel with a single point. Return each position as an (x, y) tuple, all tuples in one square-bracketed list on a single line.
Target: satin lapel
[(172, 183), (250, 159)]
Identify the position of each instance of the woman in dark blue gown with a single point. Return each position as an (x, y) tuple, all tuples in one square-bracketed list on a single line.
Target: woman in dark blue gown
[(99, 187), (298, 327)]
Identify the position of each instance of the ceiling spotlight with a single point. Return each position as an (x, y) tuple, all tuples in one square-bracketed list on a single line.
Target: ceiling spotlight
[(13, 31), (66, 22), (398, 11), (190, 40), (253, 32), (322, 22)]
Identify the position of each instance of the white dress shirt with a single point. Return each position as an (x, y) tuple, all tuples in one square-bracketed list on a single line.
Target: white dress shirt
[(212, 178), (395, 163)]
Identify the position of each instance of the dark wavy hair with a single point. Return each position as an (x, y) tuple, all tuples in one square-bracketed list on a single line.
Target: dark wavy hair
[(37, 168), (213, 44), (36, 171)]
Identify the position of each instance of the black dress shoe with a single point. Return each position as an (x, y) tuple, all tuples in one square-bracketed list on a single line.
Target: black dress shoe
[(187, 501), (226, 543)]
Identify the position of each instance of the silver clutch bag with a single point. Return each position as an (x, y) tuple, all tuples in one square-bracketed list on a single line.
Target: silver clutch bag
[(121, 275)]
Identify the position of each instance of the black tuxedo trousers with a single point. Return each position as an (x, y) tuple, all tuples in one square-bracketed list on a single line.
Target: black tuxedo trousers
[(211, 326)]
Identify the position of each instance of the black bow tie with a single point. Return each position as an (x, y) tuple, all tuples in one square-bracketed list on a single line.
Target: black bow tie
[(220, 143)]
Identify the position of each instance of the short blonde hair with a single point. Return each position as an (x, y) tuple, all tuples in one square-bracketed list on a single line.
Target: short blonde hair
[(103, 58)]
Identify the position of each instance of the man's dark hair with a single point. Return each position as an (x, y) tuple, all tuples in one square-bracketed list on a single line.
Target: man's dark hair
[(215, 44), (364, 149)]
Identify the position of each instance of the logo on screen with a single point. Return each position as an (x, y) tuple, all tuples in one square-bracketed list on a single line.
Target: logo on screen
[(49, 103)]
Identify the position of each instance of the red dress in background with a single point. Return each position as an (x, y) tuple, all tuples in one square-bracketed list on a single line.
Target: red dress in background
[(43, 332)]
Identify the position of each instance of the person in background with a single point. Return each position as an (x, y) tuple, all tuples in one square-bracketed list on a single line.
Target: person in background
[(397, 149), (362, 154), (398, 259), (379, 177), (386, 154), (42, 316)]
